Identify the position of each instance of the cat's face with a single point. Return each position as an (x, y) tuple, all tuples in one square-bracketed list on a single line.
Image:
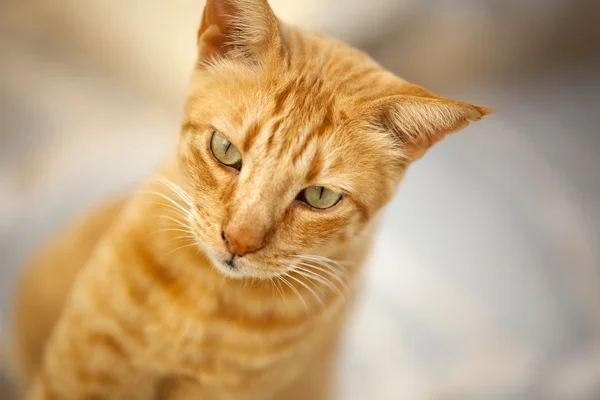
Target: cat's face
[(293, 142), (282, 165)]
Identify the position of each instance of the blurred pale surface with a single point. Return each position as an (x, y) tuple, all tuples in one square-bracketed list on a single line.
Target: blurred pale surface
[(151, 42), (485, 282)]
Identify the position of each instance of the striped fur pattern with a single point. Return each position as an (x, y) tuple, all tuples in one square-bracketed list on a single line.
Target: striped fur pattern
[(137, 301)]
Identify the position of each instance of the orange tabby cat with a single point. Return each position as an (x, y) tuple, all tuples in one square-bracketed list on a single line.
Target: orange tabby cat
[(229, 275)]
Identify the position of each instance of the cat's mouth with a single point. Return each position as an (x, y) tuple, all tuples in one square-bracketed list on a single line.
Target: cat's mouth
[(235, 267), (242, 267), (231, 263), (228, 267)]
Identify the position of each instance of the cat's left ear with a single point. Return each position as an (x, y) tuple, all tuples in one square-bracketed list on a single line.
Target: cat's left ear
[(418, 122), (237, 28)]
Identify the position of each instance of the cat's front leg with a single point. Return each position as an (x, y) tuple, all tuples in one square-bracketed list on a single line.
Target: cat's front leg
[(96, 347), (86, 359)]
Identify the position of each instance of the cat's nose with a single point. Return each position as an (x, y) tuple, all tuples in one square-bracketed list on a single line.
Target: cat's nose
[(241, 240)]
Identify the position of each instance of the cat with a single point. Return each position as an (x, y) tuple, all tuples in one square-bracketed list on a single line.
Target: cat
[(230, 273)]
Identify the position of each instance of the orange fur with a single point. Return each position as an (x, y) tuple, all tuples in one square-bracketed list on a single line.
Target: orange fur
[(153, 311)]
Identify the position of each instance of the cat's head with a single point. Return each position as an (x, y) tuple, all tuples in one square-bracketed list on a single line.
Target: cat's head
[(292, 142)]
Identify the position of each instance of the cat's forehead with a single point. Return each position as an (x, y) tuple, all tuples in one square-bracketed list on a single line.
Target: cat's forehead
[(306, 117), (341, 76)]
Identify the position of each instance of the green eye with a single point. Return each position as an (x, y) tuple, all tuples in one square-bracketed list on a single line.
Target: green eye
[(320, 197), (225, 152)]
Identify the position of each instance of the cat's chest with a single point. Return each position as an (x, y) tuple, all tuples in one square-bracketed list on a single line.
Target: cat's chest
[(230, 350)]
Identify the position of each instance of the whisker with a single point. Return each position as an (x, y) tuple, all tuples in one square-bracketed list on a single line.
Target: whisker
[(329, 272), (173, 202), (320, 279), (181, 248), (177, 211), (176, 188), (191, 214), (340, 288), (176, 221), (307, 288), (294, 290), (325, 260), (315, 281), (277, 282), (181, 239), (321, 260), (171, 230), (321, 266), (274, 283)]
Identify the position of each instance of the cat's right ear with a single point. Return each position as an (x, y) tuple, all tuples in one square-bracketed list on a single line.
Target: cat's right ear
[(420, 120), (245, 29)]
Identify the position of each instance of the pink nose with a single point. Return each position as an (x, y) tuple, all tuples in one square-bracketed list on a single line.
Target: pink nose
[(242, 239)]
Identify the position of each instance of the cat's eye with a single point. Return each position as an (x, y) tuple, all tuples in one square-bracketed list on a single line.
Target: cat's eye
[(225, 152), (320, 197)]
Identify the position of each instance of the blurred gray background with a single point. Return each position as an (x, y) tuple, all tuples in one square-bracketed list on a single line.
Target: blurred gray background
[(485, 281)]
